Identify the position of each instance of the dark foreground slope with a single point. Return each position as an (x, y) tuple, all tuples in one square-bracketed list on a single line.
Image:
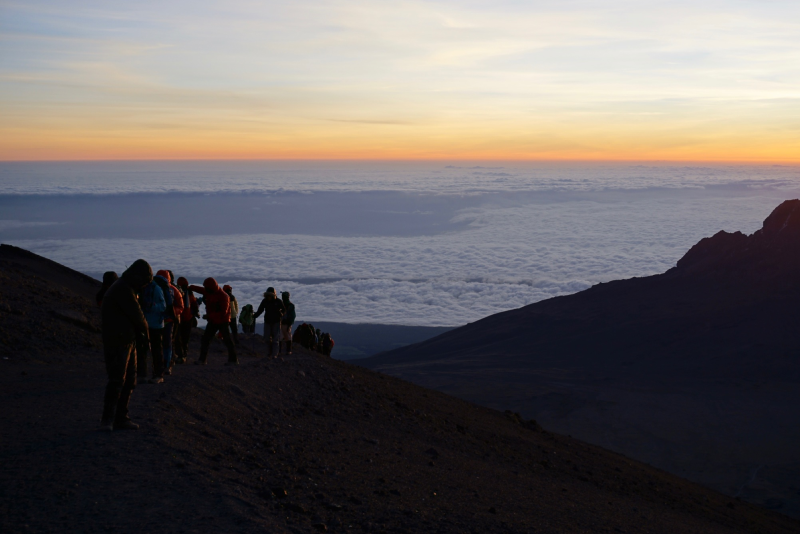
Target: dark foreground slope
[(302, 444), (696, 371)]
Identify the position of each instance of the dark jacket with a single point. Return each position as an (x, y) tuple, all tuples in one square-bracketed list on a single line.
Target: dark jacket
[(273, 310), (218, 304), (121, 314), (290, 315)]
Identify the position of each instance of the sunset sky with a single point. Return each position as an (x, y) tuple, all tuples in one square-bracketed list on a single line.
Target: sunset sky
[(715, 80)]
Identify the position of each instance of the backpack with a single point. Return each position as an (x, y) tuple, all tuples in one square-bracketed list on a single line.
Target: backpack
[(148, 295), (246, 317)]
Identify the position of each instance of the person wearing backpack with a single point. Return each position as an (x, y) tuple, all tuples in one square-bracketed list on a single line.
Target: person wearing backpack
[(327, 344), (189, 315), (109, 277), (218, 313), (247, 320), (273, 310), (287, 321), (171, 323), (123, 323), (154, 307), (234, 314)]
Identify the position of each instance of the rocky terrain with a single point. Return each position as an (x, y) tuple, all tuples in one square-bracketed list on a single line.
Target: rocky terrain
[(297, 444), (695, 371)]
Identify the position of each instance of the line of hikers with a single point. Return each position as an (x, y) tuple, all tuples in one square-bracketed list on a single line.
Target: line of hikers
[(143, 313)]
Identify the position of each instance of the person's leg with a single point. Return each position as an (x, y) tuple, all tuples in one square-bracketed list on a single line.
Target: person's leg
[(116, 358), (167, 346), (121, 419), (234, 332), (205, 341), (156, 335), (286, 334), (275, 335), (226, 339), (176, 343)]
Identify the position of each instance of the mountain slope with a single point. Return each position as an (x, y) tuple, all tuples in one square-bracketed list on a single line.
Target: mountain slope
[(302, 444), (696, 370)]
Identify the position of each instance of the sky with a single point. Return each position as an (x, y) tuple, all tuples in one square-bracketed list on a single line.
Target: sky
[(701, 80)]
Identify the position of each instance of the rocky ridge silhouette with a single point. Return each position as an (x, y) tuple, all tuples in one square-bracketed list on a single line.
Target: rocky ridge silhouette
[(696, 370)]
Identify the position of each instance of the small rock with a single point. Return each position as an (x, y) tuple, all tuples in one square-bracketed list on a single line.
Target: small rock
[(279, 493), (492, 510), (320, 526)]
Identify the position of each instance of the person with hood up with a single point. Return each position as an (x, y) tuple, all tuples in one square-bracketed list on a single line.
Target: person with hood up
[(287, 321), (189, 315), (218, 312), (162, 279), (171, 319), (234, 314), (273, 311), (122, 324), (154, 306), (109, 277)]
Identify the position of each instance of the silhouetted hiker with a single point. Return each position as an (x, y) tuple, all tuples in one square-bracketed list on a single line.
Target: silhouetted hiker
[(234, 314), (273, 310), (171, 323), (218, 314), (162, 279), (318, 340), (247, 319), (109, 277), (304, 336), (287, 321), (188, 321), (154, 306), (327, 344), (123, 323)]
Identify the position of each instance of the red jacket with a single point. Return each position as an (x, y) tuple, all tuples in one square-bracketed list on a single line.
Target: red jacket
[(177, 302), (218, 305), (192, 310)]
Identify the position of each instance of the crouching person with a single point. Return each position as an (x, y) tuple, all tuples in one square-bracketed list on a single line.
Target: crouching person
[(123, 323), (218, 312)]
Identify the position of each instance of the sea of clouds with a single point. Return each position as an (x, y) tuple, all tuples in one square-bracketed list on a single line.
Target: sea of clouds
[(501, 248)]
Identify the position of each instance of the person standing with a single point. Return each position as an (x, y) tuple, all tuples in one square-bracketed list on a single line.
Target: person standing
[(247, 319), (287, 321), (154, 305), (234, 314), (273, 311), (122, 323), (109, 277), (218, 313), (189, 315)]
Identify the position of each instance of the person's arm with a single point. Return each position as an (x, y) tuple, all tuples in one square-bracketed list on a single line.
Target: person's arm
[(261, 308), (129, 306), (159, 302), (198, 289)]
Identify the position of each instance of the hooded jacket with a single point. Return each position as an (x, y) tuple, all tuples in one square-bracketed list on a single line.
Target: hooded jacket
[(273, 309), (162, 279), (122, 317), (153, 305), (234, 303), (218, 305), (190, 306), (109, 277)]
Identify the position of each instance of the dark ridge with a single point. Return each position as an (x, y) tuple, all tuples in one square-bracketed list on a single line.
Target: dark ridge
[(695, 371)]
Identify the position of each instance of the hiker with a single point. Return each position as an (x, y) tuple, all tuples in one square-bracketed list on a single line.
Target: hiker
[(327, 344), (154, 306), (318, 340), (304, 336), (162, 279), (234, 314), (171, 322), (218, 314), (122, 324), (287, 321), (109, 277), (273, 310), (189, 315), (247, 319)]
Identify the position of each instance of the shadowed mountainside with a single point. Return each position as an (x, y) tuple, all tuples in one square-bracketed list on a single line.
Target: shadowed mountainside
[(300, 444), (696, 371)]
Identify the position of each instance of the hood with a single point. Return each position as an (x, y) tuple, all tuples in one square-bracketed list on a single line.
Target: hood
[(165, 275), (227, 289), (210, 284), (183, 282), (139, 274), (109, 277)]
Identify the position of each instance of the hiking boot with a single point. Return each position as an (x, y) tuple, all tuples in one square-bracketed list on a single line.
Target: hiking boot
[(126, 425), (157, 380), (180, 361), (168, 372), (235, 362), (106, 426), (200, 362)]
